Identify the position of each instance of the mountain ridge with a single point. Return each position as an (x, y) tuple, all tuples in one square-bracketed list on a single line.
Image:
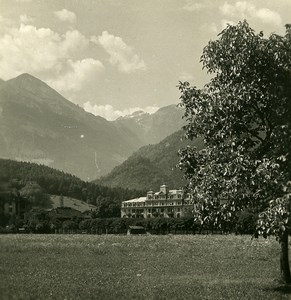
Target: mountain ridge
[(152, 128), (38, 124)]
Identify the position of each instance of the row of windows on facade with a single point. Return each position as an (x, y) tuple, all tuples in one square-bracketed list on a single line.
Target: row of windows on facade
[(146, 204), (152, 210), (149, 216), (163, 197)]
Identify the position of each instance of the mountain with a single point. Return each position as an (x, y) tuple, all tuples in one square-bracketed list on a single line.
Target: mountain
[(37, 124), (151, 166), (152, 128)]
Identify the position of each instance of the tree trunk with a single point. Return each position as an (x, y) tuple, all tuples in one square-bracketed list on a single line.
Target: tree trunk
[(284, 259)]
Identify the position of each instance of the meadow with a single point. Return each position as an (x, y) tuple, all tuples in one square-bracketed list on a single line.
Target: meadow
[(139, 267)]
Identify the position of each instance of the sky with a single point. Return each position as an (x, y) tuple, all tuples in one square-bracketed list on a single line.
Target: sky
[(113, 57)]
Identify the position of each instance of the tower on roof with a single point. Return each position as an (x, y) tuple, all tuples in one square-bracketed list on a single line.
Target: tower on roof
[(150, 194), (164, 189)]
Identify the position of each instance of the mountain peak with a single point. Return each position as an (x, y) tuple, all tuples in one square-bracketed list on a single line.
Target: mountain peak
[(34, 85), (25, 77), (136, 114)]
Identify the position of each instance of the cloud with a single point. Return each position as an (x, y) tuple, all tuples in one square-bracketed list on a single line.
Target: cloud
[(80, 72), (37, 50), (194, 6), (65, 15), (243, 9), (224, 23), (4, 24), (25, 19), (108, 112), (121, 55), (268, 16), (185, 76)]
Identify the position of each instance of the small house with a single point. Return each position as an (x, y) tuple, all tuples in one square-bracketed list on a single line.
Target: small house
[(136, 230)]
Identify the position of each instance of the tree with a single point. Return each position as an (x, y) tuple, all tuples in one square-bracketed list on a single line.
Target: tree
[(34, 194), (244, 116)]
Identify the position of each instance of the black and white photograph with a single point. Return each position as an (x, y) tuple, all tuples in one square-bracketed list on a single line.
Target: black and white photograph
[(145, 149)]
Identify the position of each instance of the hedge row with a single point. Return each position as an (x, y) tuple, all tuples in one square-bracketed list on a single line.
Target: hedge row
[(245, 224)]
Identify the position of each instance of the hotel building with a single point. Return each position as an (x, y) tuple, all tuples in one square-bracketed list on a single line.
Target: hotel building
[(165, 203)]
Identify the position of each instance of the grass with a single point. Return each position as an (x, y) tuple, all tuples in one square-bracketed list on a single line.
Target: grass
[(70, 202), (139, 267)]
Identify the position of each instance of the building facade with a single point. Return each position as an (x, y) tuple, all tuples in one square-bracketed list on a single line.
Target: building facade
[(11, 204), (165, 203)]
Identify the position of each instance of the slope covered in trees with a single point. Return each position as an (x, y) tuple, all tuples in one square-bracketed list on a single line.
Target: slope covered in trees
[(151, 166), (17, 175)]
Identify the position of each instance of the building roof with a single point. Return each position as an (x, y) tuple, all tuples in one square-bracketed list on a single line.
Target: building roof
[(136, 227), (159, 193), (140, 199), (175, 191)]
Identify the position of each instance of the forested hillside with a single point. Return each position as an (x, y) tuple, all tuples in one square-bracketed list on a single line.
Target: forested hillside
[(151, 166), (19, 176)]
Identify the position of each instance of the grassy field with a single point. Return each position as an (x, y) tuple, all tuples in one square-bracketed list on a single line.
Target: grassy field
[(139, 267)]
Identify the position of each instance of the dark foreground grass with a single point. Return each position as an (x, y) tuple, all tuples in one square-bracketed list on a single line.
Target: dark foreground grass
[(139, 267)]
